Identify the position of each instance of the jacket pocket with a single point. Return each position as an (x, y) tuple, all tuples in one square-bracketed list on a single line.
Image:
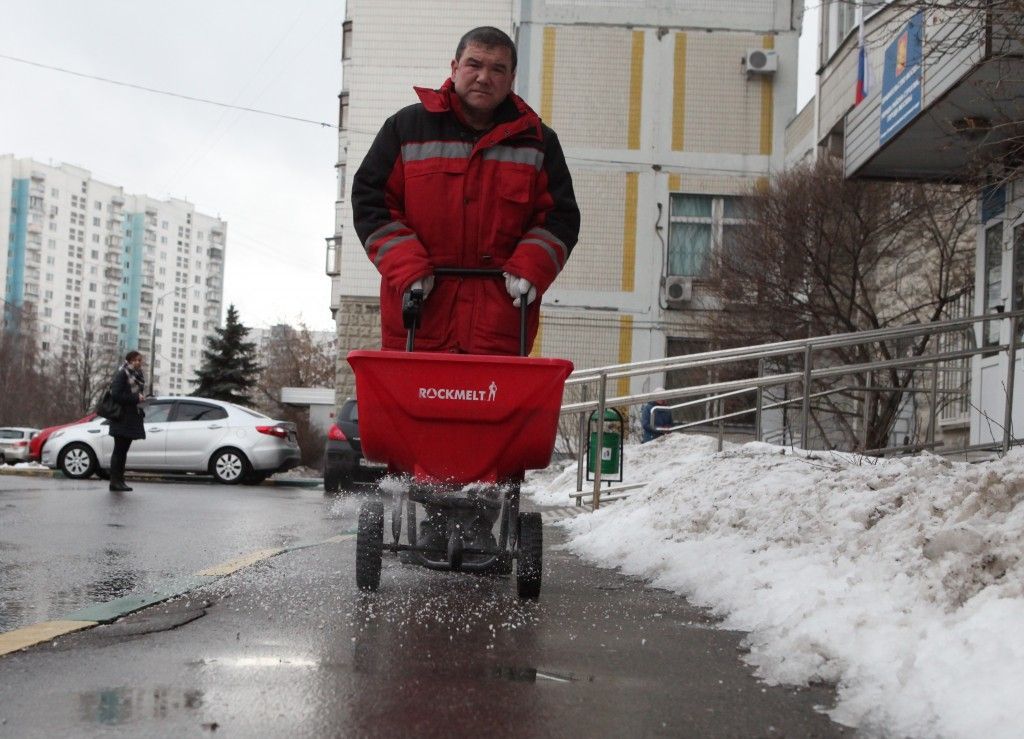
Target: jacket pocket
[(515, 203)]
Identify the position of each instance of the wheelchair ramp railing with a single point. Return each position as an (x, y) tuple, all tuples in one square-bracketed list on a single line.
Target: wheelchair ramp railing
[(882, 392)]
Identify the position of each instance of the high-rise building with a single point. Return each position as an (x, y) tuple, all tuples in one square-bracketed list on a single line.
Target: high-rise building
[(668, 114), (87, 262)]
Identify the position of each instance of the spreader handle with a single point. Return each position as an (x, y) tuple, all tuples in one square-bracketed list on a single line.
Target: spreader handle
[(412, 305)]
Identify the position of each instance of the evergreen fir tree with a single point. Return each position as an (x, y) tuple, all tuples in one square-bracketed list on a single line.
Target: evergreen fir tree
[(229, 367)]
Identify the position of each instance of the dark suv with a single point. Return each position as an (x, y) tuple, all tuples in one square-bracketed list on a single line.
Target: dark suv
[(344, 463)]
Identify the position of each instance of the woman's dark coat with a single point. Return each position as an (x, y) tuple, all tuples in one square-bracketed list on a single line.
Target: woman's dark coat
[(130, 425)]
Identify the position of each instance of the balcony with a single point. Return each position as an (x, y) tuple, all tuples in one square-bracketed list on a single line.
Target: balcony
[(949, 123), (111, 291), (215, 254), (146, 299), (113, 258), (112, 273), (212, 311), (147, 282), (333, 263), (213, 296), (109, 321), (111, 306)]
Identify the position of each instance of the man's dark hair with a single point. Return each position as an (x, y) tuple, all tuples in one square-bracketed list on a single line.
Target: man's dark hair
[(487, 36), (130, 356)]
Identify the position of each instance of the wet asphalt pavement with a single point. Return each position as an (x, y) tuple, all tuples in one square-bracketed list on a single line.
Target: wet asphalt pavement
[(289, 647)]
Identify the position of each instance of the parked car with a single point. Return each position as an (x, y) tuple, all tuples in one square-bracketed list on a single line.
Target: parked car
[(35, 447), (183, 434), (14, 441), (344, 463)]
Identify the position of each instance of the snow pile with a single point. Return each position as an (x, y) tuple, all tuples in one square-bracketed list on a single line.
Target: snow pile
[(902, 581)]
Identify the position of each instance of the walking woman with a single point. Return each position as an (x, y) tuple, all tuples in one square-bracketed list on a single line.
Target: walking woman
[(127, 390)]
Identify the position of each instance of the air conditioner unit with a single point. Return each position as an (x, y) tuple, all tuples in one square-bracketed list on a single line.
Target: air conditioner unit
[(678, 290), (761, 61)]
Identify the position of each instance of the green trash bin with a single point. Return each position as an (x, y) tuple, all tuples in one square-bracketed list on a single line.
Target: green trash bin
[(611, 451)]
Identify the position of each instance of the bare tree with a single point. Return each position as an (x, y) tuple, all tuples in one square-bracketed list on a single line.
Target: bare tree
[(821, 254), (85, 367), (23, 383), (293, 358)]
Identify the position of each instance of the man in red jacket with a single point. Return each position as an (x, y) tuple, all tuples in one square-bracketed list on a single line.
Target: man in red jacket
[(468, 177)]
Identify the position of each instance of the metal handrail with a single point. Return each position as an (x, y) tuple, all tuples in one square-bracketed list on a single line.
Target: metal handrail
[(779, 348), (715, 392)]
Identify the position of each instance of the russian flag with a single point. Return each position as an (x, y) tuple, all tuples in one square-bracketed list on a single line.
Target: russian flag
[(864, 81)]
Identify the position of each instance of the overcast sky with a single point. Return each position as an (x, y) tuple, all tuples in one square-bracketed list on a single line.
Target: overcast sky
[(273, 180)]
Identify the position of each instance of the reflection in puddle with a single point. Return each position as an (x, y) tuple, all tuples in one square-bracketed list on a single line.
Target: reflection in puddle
[(120, 705), (302, 662), (529, 675)]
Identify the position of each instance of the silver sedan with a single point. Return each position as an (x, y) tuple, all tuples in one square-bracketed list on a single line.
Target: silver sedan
[(183, 434)]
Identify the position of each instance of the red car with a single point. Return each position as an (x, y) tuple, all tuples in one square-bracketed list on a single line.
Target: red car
[(35, 447)]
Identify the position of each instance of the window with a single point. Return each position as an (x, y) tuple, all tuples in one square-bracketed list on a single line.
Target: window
[(698, 224), (343, 111), (158, 412), (346, 40), (993, 301)]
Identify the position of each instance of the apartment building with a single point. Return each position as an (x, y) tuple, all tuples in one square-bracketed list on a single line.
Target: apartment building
[(668, 114), (86, 261)]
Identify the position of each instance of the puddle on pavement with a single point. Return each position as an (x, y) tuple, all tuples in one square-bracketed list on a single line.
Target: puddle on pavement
[(113, 706)]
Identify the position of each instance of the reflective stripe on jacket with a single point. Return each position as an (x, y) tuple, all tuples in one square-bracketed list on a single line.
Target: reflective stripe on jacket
[(432, 192)]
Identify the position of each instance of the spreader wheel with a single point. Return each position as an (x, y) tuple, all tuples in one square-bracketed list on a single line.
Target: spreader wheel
[(530, 555), (369, 545)]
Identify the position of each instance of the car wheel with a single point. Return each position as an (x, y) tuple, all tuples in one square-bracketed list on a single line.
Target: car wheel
[(77, 461), (229, 466)]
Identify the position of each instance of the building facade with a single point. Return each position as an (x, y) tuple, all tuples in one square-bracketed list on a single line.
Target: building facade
[(946, 106), (87, 262), (667, 116)]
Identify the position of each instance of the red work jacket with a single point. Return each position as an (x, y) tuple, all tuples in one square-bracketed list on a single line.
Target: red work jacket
[(432, 192)]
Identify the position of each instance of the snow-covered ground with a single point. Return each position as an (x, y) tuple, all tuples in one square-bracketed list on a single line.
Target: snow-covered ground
[(901, 581)]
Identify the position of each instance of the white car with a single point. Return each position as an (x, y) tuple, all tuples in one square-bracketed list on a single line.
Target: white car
[(183, 434), (14, 443)]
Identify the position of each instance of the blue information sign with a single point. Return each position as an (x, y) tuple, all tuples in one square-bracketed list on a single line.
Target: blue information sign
[(901, 79)]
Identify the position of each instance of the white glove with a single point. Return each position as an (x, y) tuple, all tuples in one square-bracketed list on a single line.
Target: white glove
[(426, 284), (519, 286)]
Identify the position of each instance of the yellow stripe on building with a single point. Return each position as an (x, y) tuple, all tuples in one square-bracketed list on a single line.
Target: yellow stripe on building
[(636, 89), (539, 339), (675, 182), (767, 104), (629, 232), (547, 76), (679, 94), (625, 351)]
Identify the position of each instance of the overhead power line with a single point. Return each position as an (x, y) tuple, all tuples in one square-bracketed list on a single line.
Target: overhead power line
[(166, 92)]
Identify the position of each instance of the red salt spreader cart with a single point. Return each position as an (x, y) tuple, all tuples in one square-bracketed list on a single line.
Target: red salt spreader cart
[(462, 429)]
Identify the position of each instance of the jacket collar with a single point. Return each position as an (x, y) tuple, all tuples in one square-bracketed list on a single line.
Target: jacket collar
[(513, 115)]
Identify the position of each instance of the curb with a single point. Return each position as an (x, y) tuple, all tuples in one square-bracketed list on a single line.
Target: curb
[(296, 482), (108, 612)]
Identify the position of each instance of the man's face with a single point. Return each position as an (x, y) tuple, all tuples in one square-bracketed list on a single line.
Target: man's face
[(483, 77)]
